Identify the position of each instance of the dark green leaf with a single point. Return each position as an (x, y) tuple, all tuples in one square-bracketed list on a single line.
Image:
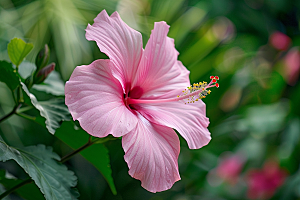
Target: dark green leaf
[(28, 191), (54, 111), (8, 75), (97, 154), (17, 50), (54, 180)]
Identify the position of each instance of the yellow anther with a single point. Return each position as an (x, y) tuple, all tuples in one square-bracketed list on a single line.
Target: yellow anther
[(196, 92)]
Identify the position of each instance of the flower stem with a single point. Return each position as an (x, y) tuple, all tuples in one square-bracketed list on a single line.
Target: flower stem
[(21, 110), (26, 116), (27, 181), (14, 111)]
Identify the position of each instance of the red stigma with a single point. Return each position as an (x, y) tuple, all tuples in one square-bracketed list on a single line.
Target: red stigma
[(217, 85)]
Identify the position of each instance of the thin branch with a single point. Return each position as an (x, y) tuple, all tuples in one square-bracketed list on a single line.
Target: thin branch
[(68, 156), (27, 181), (14, 111)]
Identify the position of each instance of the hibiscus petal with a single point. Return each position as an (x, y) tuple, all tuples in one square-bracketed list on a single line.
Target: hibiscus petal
[(159, 71), (151, 152), (188, 119), (95, 98), (119, 42)]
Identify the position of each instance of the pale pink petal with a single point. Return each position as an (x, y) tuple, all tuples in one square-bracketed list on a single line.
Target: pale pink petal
[(188, 119), (159, 71), (119, 42), (151, 152), (95, 98)]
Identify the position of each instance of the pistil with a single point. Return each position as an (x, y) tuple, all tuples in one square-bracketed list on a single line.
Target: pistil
[(191, 94)]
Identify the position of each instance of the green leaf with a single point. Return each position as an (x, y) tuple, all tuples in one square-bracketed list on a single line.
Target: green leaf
[(54, 180), (54, 110), (28, 191), (53, 85), (17, 50), (97, 154), (8, 75)]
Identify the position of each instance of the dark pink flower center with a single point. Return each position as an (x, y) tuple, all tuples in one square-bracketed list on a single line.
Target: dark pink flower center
[(132, 93), (135, 93)]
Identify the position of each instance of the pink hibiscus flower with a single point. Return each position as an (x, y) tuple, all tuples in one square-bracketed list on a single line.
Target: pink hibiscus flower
[(263, 183), (138, 94)]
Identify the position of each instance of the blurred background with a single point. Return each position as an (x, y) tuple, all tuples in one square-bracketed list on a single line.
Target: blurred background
[(252, 45)]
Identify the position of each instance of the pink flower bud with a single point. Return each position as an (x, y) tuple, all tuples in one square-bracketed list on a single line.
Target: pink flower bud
[(43, 73), (42, 58)]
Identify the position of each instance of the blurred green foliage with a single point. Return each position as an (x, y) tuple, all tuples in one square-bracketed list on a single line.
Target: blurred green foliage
[(255, 111)]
